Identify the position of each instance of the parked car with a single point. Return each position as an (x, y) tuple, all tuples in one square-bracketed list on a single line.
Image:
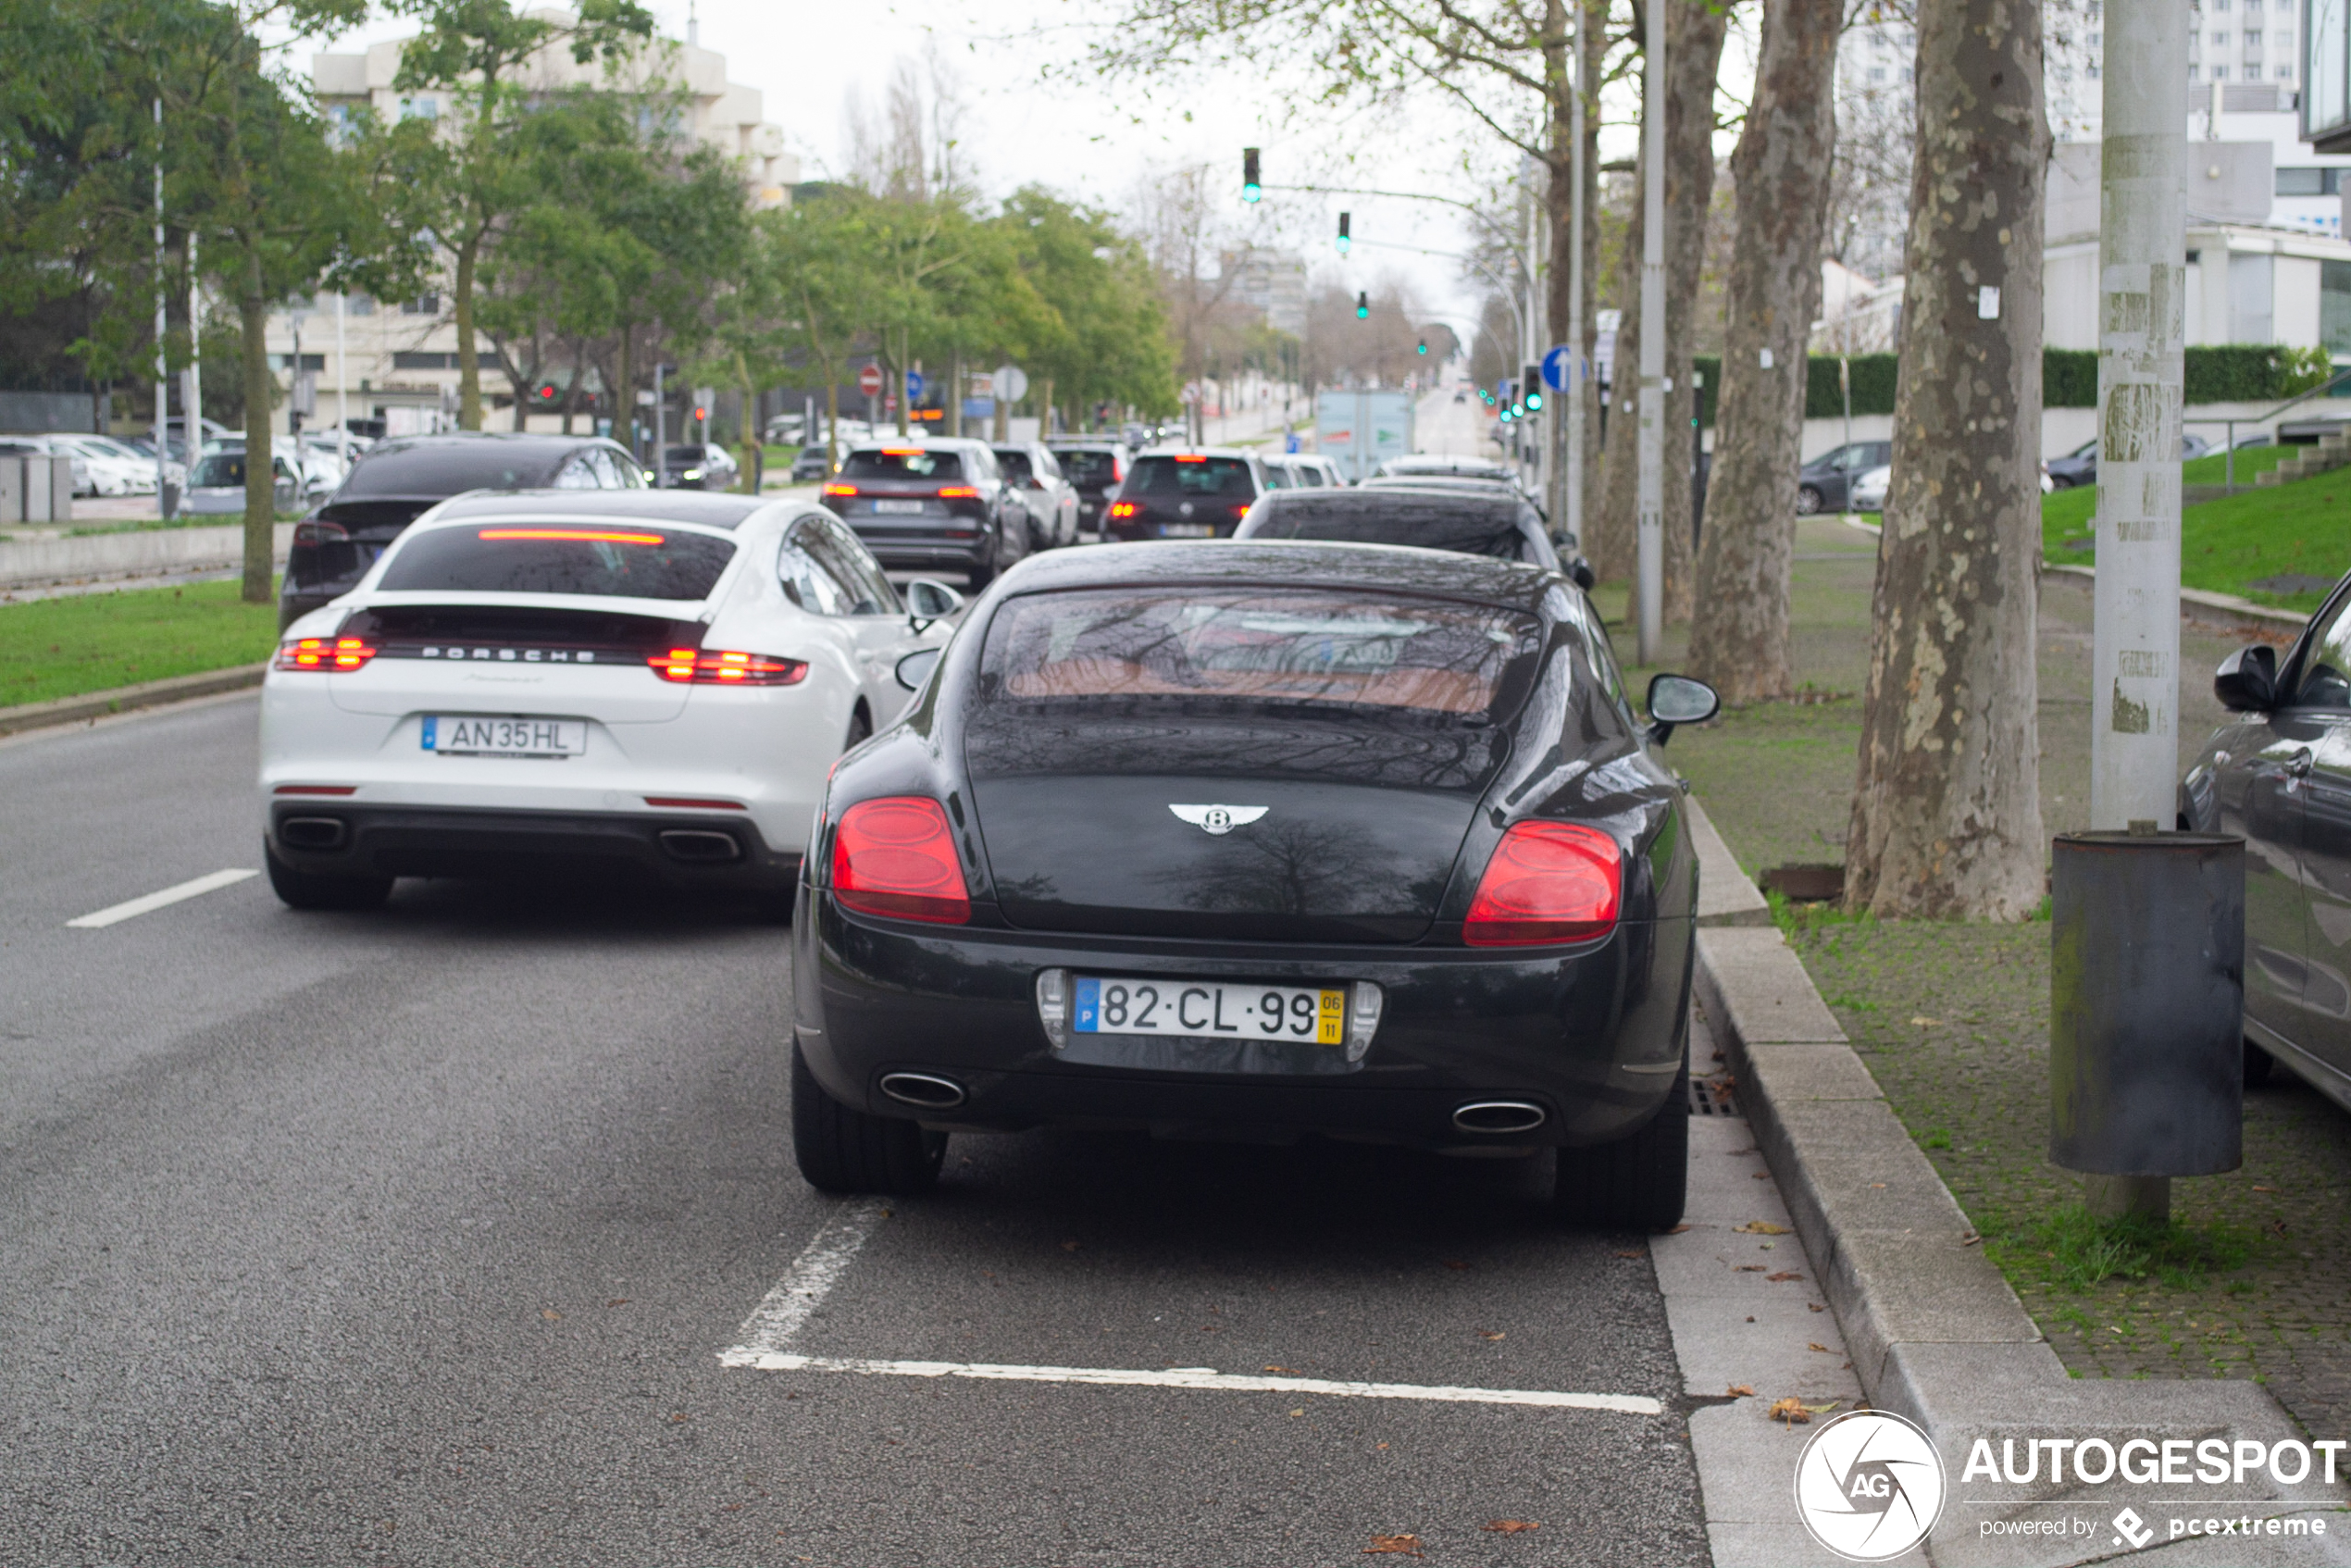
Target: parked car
[(812, 463), (1496, 523), (1825, 483), (1373, 845), (1096, 466), (1044, 494), (942, 506), (2080, 467), (217, 487), (1178, 494), (658, 708), (1313, 468), (2279, 775), (44, 446), (399, 478), (1866, 493)]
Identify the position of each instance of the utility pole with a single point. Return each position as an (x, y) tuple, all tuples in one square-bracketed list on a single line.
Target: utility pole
[(2143, 272), (164, 499), (1649, 526), (191, 400), (343, 393), (1570, 505), (661, 425)]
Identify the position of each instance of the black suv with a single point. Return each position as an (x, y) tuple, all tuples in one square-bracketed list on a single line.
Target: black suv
[(399, 479), (942, 506), (1097, 468), (1172, 494)]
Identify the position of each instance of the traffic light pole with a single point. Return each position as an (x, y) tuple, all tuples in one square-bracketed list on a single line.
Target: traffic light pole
[(1570, 470), (1649, 526)]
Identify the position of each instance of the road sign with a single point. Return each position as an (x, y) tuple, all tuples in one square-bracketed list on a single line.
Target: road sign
[(1010, 382), (869, 379), (1556, 366), (914, 384)]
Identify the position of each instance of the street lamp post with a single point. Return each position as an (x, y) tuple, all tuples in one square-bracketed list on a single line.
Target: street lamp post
[(1570, 505), (165, 502), (1649, 528)]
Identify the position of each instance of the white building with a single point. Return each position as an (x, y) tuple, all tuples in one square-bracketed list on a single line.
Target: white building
[(1273, 283), (398, 361)]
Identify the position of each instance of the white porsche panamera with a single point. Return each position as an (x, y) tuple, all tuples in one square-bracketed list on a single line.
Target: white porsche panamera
[(647, 682)]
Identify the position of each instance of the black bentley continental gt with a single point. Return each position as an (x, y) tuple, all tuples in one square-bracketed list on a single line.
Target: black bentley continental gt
[(1260, 841)]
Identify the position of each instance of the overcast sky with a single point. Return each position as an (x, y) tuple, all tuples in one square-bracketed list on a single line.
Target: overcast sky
[(1097, 142)]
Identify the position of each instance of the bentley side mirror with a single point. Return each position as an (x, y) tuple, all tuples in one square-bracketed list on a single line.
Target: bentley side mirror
[(929, 601), (1676, 700), (2247, 681), (916, 667), (1580, 571)]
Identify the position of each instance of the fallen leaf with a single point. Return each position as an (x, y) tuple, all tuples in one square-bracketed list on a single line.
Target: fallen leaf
[(1814, 1307), (1408, 1545), (1511, 1526), (1071, 1246), (1382, 1445), (1297, 1412), (1677, 1230), (618, 1301), (1281, 1372), (1483, 1335), (1783, 1276), (1750, 1268), (1455, 1263), (1823, 1410), (551, 1314), (677, 1415), (1739, 1392), (1926, 1023), (1761, 1176), (1877, 1187), (1632, 1254), (1791, 1411), (2258, 1187), (1762, 1227), (1823, 1349)]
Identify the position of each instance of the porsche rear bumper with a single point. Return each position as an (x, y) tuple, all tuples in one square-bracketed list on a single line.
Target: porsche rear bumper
[(1594, 1034), (688, 851)]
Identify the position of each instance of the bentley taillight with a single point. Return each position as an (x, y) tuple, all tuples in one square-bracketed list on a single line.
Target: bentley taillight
[(1548, 882), (896, 858), (325, 656)]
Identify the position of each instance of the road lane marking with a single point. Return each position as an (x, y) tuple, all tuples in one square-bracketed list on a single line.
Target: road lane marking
[(1190, 1377), (115, 913), (805, 1285)]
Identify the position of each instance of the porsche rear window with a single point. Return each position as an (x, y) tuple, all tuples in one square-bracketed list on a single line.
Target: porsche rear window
[(903, 463), (1254, 646), (618, 560)]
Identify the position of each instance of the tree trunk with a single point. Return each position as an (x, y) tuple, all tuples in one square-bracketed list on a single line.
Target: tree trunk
[(1946, 815), (624, 411), (1739, 636), (469, 362), (261, 489), (1693, 30), (1610, 546)]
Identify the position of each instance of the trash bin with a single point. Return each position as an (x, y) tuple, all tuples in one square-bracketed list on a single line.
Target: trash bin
[(2147, 1003)]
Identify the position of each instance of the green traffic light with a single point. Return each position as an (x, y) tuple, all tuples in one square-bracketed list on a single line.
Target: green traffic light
[(1534, 402), (1423, 348)]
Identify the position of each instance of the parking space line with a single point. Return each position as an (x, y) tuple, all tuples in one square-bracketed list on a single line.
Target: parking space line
[(1192, 1377), (805, 1285), (115, 913)]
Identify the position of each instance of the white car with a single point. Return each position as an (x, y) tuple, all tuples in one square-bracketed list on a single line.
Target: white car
[(1869, 491), (569, 682)]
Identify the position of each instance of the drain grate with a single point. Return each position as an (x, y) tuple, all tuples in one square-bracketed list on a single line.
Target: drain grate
[(1711, 1097)]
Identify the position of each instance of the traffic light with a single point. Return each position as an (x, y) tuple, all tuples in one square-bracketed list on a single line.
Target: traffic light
[(1363, 305), (1424, 345), (1251, 190), (1530, 378), (546, 394), (1345, 240)]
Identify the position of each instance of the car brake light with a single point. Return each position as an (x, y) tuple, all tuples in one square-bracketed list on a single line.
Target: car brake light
[(573, 535), (1241, 509), (901, 451), (312, 534), (896, 858), (1183, 459), (1548, 882), (710, 667), (1125, 509), (841, 490), (958, 492), (326, 655)]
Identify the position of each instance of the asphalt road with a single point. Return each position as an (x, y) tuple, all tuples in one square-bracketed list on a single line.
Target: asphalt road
[(417, 1236)]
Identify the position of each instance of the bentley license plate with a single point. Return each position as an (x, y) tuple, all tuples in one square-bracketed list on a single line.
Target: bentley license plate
[(1163, 1006), (506, 737)]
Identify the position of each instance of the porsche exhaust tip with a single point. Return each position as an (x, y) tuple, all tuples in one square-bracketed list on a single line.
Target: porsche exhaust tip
[(687, 843), (1499, 1116), (924, 1089)]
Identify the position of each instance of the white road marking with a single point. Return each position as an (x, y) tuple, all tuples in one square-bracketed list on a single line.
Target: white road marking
[(1190, 1377), (119, 912), (804, 1286)]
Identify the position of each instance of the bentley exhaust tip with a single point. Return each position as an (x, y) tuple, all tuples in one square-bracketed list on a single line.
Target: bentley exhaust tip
[(1499, 1116), (924, 1089)]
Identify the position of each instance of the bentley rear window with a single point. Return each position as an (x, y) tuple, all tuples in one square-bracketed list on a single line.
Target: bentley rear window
[(615, 560), (1255, 646)]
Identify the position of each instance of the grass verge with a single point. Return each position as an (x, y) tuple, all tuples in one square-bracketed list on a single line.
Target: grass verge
[(84, 642), (2252, 546)]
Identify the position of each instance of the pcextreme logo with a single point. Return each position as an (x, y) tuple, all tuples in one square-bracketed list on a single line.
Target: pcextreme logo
[(1869, 1486)]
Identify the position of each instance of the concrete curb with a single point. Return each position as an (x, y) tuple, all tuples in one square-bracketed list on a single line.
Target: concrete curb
[(1725, 895), (1935, 1331), (123, 699), (2222, 612)]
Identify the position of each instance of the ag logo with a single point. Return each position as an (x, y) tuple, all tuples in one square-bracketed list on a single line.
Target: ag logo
[(1869, 1486), (1218, 820)]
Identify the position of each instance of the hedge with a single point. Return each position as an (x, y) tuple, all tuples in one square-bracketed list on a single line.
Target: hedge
[(2217, 373)]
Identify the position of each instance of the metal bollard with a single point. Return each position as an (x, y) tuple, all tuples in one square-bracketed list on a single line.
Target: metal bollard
[(2147, 1005)]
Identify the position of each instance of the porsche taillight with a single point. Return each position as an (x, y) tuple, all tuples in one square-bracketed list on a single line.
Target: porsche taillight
[(712, 666), (1548, 882), (325, 656), (896, 858)]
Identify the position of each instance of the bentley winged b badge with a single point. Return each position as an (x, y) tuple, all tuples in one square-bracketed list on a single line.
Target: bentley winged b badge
[(1218, 820)]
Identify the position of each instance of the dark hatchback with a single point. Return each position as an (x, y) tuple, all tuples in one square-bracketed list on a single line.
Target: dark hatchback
[(944, 504), (1490, 522), (2279, 775), (1096, 468), (1258, 842), (398, 479), (1825, 484), (1186, 495)]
